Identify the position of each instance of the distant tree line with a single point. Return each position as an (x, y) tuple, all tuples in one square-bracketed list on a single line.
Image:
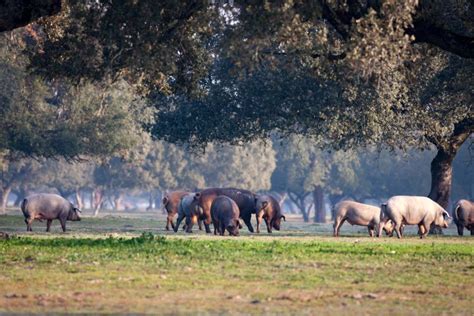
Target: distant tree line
[(293, 169)]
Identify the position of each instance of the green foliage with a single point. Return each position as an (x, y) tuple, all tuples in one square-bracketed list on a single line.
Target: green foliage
[(51, 119)]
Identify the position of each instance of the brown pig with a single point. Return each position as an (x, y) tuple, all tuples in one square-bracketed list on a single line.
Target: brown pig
[(463, 215), (269, 209), (171, 203), (48, 207), (359, 214), (225, 216), (244, 199)]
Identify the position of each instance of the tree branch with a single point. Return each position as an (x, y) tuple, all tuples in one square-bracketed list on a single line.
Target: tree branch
[(425, 32), (18, 13)]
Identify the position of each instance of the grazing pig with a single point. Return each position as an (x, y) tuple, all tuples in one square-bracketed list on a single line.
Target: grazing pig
[(244, 199), (463, 215), (269, 209), (225, 215), (413, 210), (359, 214), (49, 207), (186, 205), (170, 204)]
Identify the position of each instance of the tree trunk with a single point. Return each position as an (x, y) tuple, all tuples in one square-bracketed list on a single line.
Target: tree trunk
[(79, 200), (151, 199), (319, 209), (442, 164), (98, 199), (4, 194), (20, 196), (118, 201), (300, 202), (441, 178)]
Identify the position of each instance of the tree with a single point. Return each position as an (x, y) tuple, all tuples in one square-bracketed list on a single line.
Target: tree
[(379, 65), (13, 172), (51, 119), (18, 13), (302, 168)]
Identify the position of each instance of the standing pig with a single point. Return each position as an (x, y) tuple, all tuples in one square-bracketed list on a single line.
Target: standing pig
[(185, 210), (171, 203), (244, 199), (464, 216), (225, 215), (359, 214), (413, 210), (269, 209), (49, 207)]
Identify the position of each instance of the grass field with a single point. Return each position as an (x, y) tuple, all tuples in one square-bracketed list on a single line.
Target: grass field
[(129, 264)]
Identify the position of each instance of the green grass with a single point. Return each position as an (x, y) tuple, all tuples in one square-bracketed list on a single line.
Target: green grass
[(103, 266)]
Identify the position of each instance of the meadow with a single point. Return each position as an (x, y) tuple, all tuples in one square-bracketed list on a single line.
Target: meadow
[(128, 263)]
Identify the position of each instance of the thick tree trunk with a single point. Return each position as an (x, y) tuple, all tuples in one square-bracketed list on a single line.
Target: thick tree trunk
[(4, 194), (441, 177), (319, 210), (442, 164)]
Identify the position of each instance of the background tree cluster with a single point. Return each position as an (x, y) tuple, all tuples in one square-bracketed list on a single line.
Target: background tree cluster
[(91, 78)]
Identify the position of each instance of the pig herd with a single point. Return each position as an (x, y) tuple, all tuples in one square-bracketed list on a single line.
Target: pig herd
[(224, 208), (227, 208)]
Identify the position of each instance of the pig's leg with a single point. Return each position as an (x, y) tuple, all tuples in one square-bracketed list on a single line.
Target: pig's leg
[(269, 226), (337, 225), (29, 222), (63, 224), (259, 217), (397, 228), (222, 228), (200, 224), (370, 228), (247, 221), (424, 229), (472, 230), (48, 225), (178, 222), (207, 223)]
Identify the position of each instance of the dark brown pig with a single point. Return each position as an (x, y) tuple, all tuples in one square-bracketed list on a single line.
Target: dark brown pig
[(269, 209), (463, 215), (171, 204), (225, 216), (48, 207), (244, 199)]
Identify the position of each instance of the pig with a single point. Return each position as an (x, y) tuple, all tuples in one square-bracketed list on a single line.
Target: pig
[(268, 208), (171, 203), (463, 215), (244, 199), (187, 203), (48, 207), (225, 216), (359, 214), (413, 210)]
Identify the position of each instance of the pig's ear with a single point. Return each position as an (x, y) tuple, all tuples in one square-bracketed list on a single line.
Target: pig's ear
[(446, 214), (284, 218), (77, 210), (264, 204), (165, 200), (197, 195)]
